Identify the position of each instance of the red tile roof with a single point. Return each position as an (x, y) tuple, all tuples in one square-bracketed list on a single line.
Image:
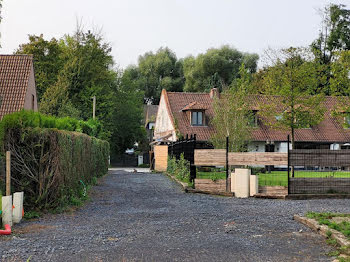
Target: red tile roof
[(329, 130), (194, 106), (177, 101), (150, 113), (14, 77)]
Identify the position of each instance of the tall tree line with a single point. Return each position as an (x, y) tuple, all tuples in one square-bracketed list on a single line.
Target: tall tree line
[(71, 70)]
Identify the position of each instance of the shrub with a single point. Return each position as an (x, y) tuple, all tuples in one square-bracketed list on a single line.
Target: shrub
[(179, 168), (48, 164)]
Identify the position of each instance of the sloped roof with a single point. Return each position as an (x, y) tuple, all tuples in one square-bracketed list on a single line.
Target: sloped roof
[(14, 76), (177, 101), (329, 130), (150, 113), (194, 106)]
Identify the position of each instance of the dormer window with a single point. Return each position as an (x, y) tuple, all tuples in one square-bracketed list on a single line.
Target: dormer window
[(196, 113), (197, 118)]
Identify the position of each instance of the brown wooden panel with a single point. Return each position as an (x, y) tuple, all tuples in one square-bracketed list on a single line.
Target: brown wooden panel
[(209, 185), (319, 157), (258, 158), (210, 157), (217, 157)]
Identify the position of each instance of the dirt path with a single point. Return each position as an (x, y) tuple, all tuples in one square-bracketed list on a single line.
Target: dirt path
[(146, 217)]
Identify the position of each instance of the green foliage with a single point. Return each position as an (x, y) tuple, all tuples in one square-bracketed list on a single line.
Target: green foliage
[(325, 219), (29, 119), (126, 116), (217, 68), (334, 34), (155, 72), (31, 214), (340, 82), (179, 168), (73, 69), (291, 78), (232, 115), (53, 166), (47, 61)]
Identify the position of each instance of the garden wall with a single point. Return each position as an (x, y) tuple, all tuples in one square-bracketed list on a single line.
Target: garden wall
[(51, 166), (208, 185)]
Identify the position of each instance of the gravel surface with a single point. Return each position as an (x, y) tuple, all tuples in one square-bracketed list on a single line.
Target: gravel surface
[(147, 217)]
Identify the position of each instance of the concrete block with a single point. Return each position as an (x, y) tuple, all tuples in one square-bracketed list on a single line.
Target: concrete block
[(18, 207), (242, 184), (232, 182), (7, 210), (254, 185)]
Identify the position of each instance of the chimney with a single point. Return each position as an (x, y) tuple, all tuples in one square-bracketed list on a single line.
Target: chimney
[(214, 92)]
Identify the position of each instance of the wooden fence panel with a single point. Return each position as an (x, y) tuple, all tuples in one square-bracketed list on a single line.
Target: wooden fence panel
[(217, 157), (319, 157), (258, 158), (209, 157)]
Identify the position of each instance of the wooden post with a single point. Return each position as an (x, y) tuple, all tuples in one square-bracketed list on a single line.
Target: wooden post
[(227, 167), (8, 173), (94, 107)]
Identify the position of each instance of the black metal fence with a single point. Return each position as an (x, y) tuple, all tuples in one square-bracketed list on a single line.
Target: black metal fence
[(186, 146), (318, 171), (2, 174)]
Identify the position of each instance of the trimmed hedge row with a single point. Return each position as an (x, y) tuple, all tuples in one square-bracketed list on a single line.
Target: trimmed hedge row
[(53, 166), (25, 119)]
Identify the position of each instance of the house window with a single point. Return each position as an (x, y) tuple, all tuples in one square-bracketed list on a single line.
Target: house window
[(197, 118)]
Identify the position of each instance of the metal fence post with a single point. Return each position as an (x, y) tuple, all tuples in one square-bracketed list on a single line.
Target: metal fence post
[(227, 166), (288, 163)]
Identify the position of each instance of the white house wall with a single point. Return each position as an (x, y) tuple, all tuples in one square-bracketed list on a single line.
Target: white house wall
[(164, 124), (281, 147)]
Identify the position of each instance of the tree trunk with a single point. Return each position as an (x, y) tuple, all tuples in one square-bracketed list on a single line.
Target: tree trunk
[(293, 146)]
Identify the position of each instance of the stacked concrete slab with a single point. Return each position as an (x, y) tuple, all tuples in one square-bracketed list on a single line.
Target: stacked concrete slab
[(243, 183)]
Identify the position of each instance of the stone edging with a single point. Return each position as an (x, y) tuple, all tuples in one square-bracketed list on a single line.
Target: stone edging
[(184, 185), (322, 229), (188, 189)]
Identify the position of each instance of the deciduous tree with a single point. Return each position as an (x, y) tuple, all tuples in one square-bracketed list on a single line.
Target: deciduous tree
[(233, 115), (216, 68)]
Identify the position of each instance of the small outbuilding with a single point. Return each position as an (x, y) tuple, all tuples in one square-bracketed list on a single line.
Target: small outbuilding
[(17, 84)]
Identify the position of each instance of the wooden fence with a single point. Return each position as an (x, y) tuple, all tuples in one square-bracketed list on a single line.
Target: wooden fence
[(217, 157)]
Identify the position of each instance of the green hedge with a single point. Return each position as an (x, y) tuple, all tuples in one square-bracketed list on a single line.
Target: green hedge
[(25, 119), (52, 166)]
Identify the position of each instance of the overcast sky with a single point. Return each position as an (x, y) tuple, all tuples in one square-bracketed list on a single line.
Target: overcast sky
[(134, 27)]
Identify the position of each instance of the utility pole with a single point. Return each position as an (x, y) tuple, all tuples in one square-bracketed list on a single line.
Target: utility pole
[(93, 107)]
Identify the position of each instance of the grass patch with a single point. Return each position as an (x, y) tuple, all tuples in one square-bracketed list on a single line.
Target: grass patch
[(280, 178), (276, 178), (340, 225), (326, 219), (214, 175)]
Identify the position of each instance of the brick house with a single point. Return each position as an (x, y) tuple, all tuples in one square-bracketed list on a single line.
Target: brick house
[(190, 113), (17, 84)]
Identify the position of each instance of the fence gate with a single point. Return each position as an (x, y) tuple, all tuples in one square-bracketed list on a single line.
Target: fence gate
[(319, 171)]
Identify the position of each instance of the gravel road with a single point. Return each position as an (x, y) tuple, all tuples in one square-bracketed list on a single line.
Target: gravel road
[(147, 217)]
